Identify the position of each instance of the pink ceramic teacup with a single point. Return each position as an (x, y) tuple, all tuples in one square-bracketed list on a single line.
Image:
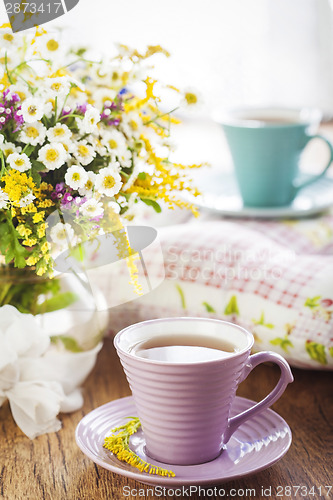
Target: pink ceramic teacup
[(183, 397)]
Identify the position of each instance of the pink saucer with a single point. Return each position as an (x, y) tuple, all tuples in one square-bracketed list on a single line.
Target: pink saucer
[(257, 444)]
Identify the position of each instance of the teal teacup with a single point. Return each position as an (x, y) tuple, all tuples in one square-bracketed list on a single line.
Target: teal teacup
[(266, 145)]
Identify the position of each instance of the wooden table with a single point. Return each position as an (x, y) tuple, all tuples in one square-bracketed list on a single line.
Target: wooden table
[(52, 467)]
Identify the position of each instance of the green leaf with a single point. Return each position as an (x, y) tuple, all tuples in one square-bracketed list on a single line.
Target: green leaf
[(80, 52), (10, 245), (38, 165), (69, 343), (78, 253), (28, 149), (232, 307), (152, 203), (142, 176), (312, 303), (59, 301), (284, 343), (316, 351), (261, 321), (208, 307), (182, 296)]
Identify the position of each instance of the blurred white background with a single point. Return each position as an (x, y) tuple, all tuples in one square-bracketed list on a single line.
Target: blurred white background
[(235, 52)]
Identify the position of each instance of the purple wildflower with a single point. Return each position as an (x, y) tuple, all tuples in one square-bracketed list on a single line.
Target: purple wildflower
[(81, 108), (60, 187), (67, 112), (114, 122)]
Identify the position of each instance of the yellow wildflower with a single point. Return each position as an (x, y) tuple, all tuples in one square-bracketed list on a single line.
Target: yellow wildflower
[(42, 270), (17, 185), (45, 204), (30, 242), (45, 247), (118, 444), (41, 230), (29, 209), (23, 231), (38, 217), (32, 260)]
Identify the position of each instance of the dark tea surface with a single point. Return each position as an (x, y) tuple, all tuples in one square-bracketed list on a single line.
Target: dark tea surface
[(184, 348)]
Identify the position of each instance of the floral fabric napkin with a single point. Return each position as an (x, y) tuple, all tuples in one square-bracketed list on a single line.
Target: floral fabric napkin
[(273, 277)]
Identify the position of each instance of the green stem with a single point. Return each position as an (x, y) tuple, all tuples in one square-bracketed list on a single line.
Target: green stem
[(80, 60), (55, 110), (3, 165), (31, 88), (3, 292), (25, 63), (7, 71), (161, 116), (70, 116)]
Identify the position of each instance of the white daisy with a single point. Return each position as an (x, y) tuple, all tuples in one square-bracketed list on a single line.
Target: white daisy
[(48, 45), (98, 146), (132, 124), (101, 73), (12, 58), (8, 40), (122, 201), (62, 234), (52, 155), (84, 153), (125, 158), (108, 181), (116, 72), (114, 141), (92, 208), (9, 148), (88, 188), (58, 87), (26, 200), (76, 177), (102, 96), (4, 199), (89, 122), (32, 109), (59, 133), (69, 147), (192, 100), (21, 90), (19, 162), (33, 133), (114, 207)]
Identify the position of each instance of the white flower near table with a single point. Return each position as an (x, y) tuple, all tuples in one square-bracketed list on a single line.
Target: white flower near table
[(33, 376)]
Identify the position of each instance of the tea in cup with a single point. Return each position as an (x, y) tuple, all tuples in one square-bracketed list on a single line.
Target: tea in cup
[(184, 373)]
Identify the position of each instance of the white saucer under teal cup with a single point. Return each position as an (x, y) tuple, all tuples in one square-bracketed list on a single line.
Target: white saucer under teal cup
[(266, 145)]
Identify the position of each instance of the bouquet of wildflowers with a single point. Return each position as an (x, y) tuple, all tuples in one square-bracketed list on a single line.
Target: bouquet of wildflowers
[(77, 138)]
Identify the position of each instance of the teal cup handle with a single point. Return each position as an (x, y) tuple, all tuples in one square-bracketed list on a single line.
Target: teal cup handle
[(300, 185)]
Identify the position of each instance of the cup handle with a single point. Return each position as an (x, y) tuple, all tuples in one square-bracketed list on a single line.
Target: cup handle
[(285, 378), (301, 185)]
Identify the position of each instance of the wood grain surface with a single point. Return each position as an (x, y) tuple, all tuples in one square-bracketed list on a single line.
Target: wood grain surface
[(52, 467)]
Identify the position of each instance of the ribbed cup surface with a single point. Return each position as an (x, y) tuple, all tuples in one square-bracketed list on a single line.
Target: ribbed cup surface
[(184, 408)]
